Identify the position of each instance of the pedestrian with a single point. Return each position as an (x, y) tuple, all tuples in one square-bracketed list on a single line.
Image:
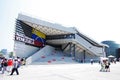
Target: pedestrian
[(119, 59), (15, 67), (115, 60), (102, 66), (4, 65), (91, 60), (0, 63), (10, 64), (107, 66)]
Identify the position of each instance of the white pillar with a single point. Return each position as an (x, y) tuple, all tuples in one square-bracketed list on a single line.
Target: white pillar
[(104, 53)]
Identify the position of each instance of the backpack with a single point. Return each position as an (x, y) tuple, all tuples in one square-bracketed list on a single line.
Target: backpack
[(5, 64)]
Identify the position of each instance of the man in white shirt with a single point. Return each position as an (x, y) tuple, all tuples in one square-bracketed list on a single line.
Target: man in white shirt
[(15, 67)]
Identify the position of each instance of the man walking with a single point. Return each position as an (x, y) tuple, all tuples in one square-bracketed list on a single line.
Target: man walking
[(15, 67)]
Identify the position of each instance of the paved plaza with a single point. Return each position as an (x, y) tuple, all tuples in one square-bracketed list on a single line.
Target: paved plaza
[(73, 71)]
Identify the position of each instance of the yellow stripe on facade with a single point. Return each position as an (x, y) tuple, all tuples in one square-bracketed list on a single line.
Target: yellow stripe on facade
[(38, 33)]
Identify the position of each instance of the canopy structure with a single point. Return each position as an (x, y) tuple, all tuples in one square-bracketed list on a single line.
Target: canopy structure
[(111, 56)]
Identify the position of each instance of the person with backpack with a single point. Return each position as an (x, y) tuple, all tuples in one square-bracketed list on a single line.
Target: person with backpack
[(4, 65)]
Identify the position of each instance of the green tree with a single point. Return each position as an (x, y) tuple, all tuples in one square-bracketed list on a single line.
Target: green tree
[(1, 55), (11, 54)]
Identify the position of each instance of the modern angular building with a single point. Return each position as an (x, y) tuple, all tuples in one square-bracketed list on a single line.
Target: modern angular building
[(35, 38), (113, 48)]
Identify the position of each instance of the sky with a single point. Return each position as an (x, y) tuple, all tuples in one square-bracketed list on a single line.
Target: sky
[(97, 19)]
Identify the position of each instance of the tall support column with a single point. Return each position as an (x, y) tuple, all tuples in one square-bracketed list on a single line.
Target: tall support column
[(70, 49), (104, 53), (74, 50), (84, 55)]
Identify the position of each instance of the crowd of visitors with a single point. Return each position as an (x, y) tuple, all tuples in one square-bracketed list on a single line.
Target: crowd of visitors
[(11, 65), (105, 63)]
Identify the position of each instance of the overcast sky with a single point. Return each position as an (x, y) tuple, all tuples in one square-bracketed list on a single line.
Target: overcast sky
[(98, 19)]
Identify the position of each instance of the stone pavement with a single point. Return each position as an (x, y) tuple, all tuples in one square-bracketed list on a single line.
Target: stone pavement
[(64, 72)]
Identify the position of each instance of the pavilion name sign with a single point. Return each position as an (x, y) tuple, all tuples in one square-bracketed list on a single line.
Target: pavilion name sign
[(24, 38)]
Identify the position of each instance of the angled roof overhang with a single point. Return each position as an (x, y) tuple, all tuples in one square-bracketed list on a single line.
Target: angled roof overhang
[(46, 27), (53, 28)]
